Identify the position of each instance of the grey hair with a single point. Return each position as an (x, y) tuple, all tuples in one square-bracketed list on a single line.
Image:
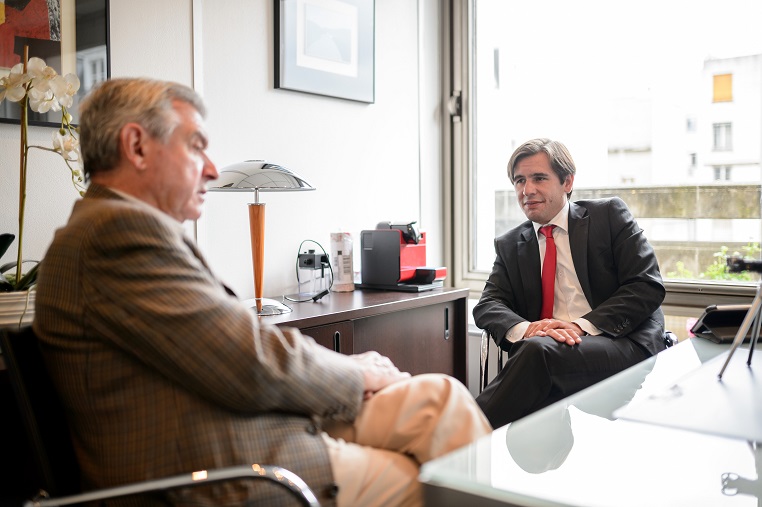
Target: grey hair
[(114, 103)]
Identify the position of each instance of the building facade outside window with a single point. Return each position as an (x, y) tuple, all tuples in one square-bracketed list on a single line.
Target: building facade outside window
[(649, 119)]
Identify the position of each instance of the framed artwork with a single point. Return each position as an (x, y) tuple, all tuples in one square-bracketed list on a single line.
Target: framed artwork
[(326, 47), (72, 36)]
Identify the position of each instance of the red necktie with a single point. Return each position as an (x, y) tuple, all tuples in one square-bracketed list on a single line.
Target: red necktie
[(548, 272)]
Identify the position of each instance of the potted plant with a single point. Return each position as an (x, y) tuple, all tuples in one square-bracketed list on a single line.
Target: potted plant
[(40, 88)]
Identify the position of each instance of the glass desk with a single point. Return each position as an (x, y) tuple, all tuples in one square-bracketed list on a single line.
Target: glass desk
[(576, 452)]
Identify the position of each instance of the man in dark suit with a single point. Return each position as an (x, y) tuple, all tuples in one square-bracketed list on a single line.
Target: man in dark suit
[(604, 314), (162, 372)]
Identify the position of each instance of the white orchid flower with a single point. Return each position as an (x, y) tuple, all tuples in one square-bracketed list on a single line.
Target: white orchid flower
[(41, 89), (37, 67), (43, 101), (41, 74), (64, 88), (67, 145), (12, 86)]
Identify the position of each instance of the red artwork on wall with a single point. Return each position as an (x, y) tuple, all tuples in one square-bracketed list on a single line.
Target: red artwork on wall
[(24, 20)]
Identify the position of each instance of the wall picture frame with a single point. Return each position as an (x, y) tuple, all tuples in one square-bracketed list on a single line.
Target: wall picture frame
[(72, 36), (326, 47)]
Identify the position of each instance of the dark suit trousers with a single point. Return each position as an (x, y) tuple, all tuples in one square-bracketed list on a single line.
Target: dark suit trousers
[(540, 371)]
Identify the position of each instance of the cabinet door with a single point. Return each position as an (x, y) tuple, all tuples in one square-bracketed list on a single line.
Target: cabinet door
[(429, 339), (337, 336)]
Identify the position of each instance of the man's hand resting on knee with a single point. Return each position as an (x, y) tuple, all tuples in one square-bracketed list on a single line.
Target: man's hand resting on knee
[(561, 331), (379, 371)]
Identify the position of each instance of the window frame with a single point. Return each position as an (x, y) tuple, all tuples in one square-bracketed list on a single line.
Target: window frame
[(459, 143), (722, 136)]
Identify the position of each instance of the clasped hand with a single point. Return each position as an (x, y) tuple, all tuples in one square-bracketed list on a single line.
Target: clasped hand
[(561, 331), (379, 371)]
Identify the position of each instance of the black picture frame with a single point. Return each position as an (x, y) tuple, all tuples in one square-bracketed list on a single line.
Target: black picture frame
[(326, 47), (89, 57)]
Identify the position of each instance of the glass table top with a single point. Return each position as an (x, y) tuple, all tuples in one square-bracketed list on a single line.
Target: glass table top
[(578, 453)]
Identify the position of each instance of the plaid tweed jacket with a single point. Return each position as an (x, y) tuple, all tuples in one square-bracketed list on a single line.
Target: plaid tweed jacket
[(162, 372)]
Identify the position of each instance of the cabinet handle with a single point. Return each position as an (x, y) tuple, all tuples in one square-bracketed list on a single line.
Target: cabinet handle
[(447, 323), (337, 341)]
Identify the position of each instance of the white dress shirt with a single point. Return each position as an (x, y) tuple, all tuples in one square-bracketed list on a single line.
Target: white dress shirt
[(569, 302)]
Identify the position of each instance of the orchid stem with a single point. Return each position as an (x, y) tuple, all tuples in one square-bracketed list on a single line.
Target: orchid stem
[(22, 171)]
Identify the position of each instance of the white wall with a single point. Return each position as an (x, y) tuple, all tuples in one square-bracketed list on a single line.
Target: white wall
[(366, 160)]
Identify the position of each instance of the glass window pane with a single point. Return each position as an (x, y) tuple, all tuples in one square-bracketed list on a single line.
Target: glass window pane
[(652, 109)]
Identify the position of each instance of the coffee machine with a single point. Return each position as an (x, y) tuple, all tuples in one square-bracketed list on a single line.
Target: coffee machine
[(393, 257)]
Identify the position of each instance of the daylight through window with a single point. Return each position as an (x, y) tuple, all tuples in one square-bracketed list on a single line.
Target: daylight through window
[(660, 103)]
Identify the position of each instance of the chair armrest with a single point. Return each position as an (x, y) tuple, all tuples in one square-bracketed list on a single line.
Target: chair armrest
[(483, 360), (484, 379), (281, 476)]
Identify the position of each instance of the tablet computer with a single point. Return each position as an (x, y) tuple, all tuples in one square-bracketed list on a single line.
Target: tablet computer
[(720, 323)]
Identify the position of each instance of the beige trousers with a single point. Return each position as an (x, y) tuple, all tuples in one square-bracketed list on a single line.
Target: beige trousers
[(375, 460)]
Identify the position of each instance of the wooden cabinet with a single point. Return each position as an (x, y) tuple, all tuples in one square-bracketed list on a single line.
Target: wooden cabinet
[(417, 341), (336, 336), (420, 332)]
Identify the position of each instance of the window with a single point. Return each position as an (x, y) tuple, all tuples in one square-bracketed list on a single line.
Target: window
[(722, 173), (723, 138), (92, 66), (723, 88), (645, 118)]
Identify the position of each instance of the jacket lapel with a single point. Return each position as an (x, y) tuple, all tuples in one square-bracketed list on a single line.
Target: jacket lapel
[(579, 223), (531, 273)]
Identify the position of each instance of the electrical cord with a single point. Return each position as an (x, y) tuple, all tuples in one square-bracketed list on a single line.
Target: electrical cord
[(302, 297)]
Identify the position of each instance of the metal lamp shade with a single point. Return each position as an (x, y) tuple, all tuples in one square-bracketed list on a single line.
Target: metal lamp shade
[(259, 176)]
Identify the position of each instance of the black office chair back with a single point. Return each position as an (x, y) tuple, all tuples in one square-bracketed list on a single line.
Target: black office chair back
[(41, 412)]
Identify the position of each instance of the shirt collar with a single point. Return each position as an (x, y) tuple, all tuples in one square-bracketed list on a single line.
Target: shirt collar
[(127, 197), (561, 220), (147, 207)]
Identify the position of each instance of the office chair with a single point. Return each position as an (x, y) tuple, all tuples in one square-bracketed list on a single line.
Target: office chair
[(670, 339), (54, 457)]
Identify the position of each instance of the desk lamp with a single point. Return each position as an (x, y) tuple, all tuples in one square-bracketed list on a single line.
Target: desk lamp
[(259, 176)]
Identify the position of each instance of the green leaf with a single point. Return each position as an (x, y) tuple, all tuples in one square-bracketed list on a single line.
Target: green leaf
[(28, 280), (5, 285)]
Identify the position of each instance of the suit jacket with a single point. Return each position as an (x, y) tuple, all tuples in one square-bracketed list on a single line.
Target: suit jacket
[(615, 264), (162, 372)]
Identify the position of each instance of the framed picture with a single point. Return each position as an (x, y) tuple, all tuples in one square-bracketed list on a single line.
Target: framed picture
[(326, 47), (70, 35)]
